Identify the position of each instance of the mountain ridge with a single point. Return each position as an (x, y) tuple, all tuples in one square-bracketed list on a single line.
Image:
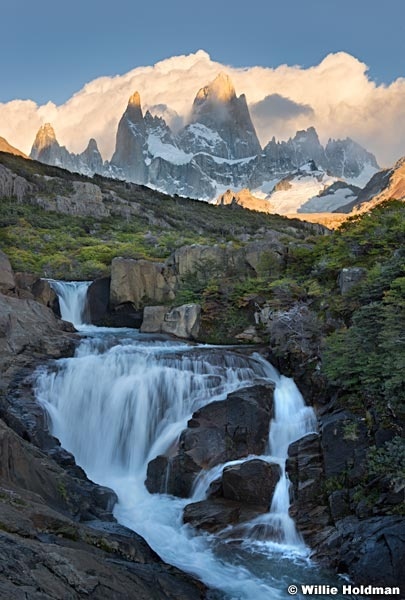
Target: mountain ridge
[(216, 150)]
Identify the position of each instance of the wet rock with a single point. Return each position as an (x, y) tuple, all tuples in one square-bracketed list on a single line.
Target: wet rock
[(231, 428), (251, 482), (174, 476), (220, 431), (309, 505), (98, 299), (243, 492), (212, 515)]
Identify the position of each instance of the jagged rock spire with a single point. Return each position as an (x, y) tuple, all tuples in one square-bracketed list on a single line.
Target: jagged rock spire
[(219, 90), (134, 110), (44, 139), (217, 107)]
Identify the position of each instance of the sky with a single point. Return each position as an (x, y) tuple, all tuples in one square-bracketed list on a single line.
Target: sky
[(57, 52), (54, 47)]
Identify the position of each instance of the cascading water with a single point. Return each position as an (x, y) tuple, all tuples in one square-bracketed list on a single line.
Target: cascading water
[(124, 398), (72, 300)]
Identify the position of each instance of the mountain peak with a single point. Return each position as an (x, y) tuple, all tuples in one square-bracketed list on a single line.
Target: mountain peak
[(134, 111), (46, 133), (135, 100), (219, 90), (44, 139)]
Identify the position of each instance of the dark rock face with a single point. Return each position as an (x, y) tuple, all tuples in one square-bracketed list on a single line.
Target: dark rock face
[(221, 431), (309, 504), (243, 492), (98, 299), (344, 442), (252, 482)]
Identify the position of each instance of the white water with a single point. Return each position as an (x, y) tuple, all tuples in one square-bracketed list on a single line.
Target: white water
[(124, 398), (72, 300)]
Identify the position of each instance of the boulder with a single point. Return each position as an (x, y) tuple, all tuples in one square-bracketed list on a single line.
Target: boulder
[(212, 515), (153, 318), (244, 492), (7, 280), (180, 321), (183, 321), (140, 282), (251, 482), (174, 476), (230, 429)]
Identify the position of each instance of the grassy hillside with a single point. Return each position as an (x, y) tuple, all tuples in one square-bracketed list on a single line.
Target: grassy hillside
[(66, 246)]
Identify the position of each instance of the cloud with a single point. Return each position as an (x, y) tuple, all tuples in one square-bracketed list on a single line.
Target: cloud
[(272, 115), (343, 100)]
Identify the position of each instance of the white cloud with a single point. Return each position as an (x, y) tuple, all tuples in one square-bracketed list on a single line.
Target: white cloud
[(344, 101)]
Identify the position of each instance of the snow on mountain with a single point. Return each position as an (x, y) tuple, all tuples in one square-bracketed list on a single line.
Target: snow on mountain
[(291, 193), (169, 152), (331, 198), (217, 150)]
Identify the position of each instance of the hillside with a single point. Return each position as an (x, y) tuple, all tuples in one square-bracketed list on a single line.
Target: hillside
[(100, 218), (6, 147)]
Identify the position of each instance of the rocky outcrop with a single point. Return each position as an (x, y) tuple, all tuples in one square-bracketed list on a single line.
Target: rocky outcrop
[(28, 327), (244, 199), (180, 321), (12, 185), (140, 282), (86, 199), (48, 550), (220, 431), (309, 504)]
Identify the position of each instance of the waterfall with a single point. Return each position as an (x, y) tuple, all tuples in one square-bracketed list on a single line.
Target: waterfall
[(72, 297), (124, 398)]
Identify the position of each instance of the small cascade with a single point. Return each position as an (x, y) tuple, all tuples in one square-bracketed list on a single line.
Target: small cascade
[(293, 420), (72, 297)]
